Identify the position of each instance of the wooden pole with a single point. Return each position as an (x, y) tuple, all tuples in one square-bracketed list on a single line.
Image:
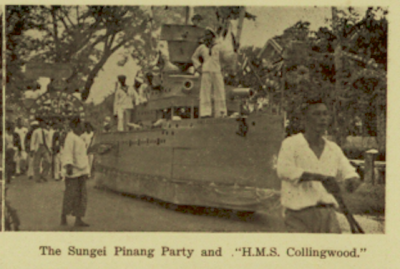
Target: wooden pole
[(283, 84), (55, 28), (338, 70), (369, 166), (240, 24), (189, 14)]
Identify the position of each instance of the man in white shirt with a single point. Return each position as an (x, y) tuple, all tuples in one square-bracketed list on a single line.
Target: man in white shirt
[(40, 151), (212, 80), (307, 164), (122, 102), (75, 162), (21, 155)]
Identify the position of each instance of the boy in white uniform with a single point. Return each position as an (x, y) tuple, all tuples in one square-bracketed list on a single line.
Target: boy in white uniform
[(122, 102), (21, 155)]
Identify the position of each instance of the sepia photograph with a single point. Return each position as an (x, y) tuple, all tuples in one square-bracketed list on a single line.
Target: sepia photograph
[(213, 119), (2, 190)]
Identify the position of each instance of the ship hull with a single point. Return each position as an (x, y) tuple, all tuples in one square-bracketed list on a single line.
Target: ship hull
[(224, 163)]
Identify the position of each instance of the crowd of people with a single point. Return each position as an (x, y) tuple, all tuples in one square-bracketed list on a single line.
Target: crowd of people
[(37, 151)]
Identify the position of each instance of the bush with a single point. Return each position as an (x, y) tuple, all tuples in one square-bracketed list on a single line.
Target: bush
[(367, 199)]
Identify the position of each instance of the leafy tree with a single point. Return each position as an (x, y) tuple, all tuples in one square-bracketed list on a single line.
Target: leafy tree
[(86, 37), (353, 82), (83, 36)]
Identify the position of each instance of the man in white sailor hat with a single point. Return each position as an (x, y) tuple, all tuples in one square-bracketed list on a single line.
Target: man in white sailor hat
[(122, 102), (107, 124), (212, 81)]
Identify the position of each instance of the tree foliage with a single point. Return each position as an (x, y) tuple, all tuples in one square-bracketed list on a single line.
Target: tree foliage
[(311, 70), (86, 37), (83, 36)]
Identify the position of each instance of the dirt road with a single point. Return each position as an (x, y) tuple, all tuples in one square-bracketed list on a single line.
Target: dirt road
[(39, 207)]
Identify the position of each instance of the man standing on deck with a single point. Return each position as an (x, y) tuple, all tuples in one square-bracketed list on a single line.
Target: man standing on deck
[(138, 92), (122, 102), (212, 81), (40, 151), (306, 163), (75, 162)]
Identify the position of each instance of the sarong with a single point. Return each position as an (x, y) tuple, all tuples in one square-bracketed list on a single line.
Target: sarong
[(315, 219), (75, 196)]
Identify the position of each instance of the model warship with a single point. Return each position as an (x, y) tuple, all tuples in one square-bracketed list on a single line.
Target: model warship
[(186, 160)]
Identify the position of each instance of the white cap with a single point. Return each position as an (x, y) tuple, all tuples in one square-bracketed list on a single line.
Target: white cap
[(139, 79), (35, 122)]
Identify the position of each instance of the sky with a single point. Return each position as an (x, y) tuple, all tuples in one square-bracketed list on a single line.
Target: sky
[(270, 21)]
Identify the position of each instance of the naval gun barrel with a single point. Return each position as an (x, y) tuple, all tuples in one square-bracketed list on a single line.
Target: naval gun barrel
[(240, 93)]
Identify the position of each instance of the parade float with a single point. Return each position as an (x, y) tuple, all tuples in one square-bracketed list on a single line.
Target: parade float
[(227, 163)]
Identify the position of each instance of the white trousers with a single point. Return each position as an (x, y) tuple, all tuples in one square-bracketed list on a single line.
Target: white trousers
[(30, 166), (57, 166), (212, 87), (123, 116), (20, 161)]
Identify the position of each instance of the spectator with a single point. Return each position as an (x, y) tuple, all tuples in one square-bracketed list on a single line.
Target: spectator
[(28, 137), (75, 162), (10, 152), (40, 151), (309, 166), (21, 155)]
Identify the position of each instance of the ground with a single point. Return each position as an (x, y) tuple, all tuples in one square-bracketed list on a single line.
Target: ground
[(38, 206)]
